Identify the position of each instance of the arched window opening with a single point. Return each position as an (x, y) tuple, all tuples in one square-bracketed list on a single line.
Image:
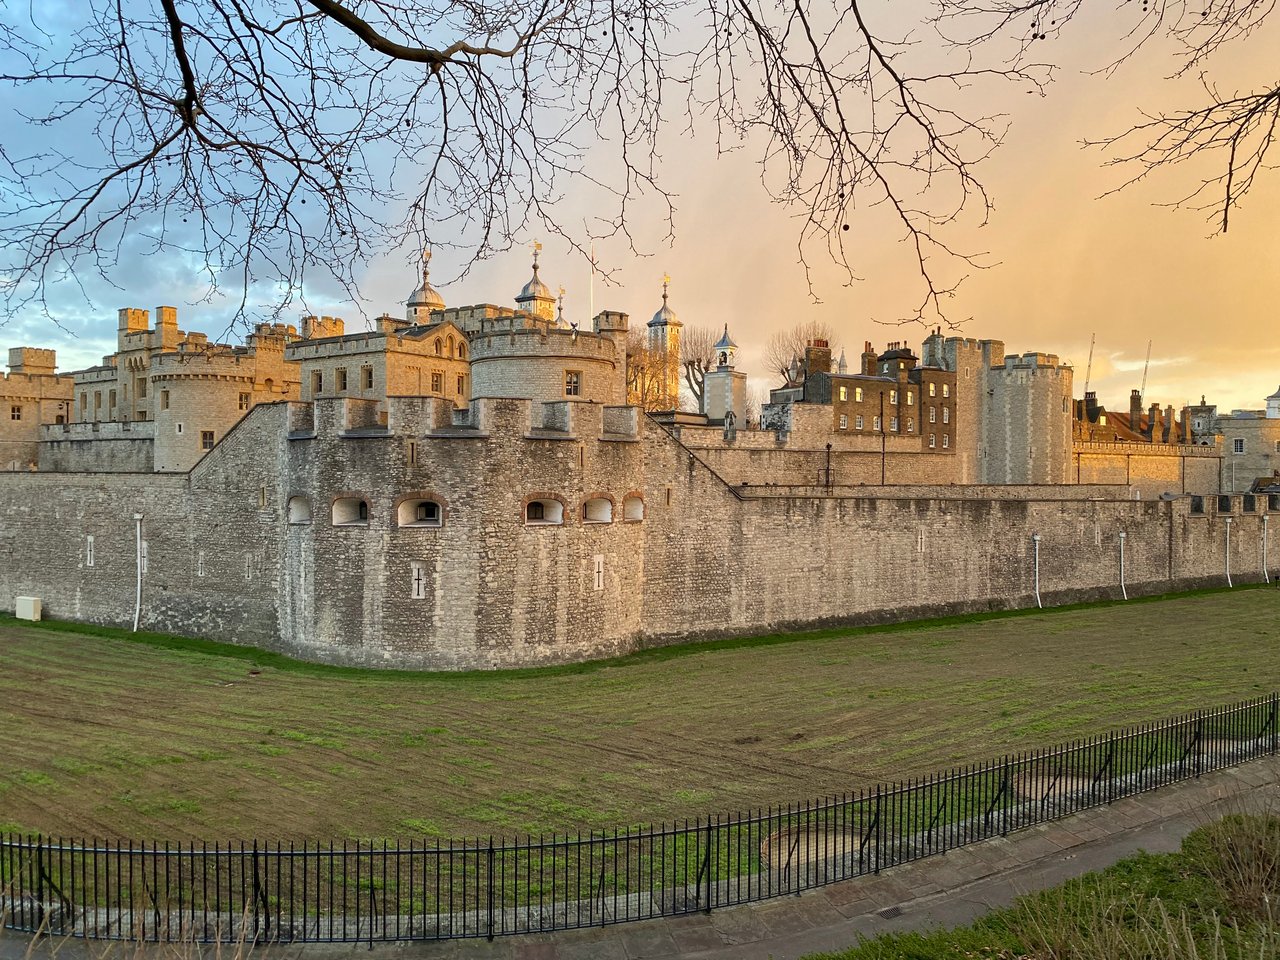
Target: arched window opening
[(544, 513), (462, 350), (450, 342), (299, 510), (438, 346), (350, 511), (419, 513), (632, 508), (597, 510)]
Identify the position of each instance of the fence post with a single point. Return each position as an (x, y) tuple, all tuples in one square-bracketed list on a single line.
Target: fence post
[(707, 863), (1275, 701), (1199, 735), (39, 881), (489, 934), (879, 831)]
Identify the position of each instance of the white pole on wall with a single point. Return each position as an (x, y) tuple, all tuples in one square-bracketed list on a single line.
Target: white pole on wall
[(1035, 544), (1229, 552), (1266, 577), (137, 597), (1124, 591)]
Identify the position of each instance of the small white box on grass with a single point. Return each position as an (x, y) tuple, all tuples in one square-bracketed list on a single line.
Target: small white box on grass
[(27, 608)]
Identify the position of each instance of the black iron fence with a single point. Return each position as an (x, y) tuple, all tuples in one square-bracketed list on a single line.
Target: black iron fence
[(294, 892)]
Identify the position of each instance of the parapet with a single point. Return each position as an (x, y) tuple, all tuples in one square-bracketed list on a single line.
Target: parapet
[(317, 328), (35, 361), (1030, 360)]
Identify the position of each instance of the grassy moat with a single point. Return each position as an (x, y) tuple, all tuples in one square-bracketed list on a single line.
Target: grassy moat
[(169, 739)]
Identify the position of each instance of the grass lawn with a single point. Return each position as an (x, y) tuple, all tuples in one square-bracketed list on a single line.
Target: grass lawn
[(1211, 900), (163, 738)]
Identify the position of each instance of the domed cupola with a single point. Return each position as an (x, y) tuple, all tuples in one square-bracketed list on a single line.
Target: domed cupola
[(665, 317), (425, 298), (536, 297)]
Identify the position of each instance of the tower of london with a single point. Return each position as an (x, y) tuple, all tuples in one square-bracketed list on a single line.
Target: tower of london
[(476, 487)]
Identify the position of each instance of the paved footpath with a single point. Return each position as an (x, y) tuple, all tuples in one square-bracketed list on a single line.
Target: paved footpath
[(942, 891)]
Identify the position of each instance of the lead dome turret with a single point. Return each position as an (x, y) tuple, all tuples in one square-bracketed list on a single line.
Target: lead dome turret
[(426, 298)]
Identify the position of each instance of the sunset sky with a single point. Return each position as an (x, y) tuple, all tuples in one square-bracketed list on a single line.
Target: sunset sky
[(1067, 263)]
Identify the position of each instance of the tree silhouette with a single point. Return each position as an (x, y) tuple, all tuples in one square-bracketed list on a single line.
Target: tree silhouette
[(260, 142)]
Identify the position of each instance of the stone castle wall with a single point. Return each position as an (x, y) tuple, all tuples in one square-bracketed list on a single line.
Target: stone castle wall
[(225, 560), (1151, 468)]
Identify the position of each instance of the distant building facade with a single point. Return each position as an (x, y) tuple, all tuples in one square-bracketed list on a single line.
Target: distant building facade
[(32, 394)]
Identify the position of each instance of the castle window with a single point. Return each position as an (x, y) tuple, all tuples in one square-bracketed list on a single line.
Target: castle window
[(911, 398), (946, 387), (412, 454), (342, 379), (141, 390), (439, 346), (15, 412), (1278, 446), (199, 563), (632, 508), (462, 385), (946, 414), (946, 440), (911, 425), (597, 510), (206, 439), (933, 389), (1197, 504), (857, 422), (875, 423), (857, 394), (933, 440), (1237, 445), (366, 378), (350, 512), (462, 350), (1199, 425), (88, 551), (844, 393), (450, 343), (111, 399), (245, 400), (893, 424), (544, 513), (844, 422), (933, 414), (317, 382), (572, 383), (1250, 503), (262, 498), (598, 565), (437, 382), (177, 428), (97, 400), (417, 580), (1224, 504), (299, 510), (419, 513), (164, 399), (893, 396)]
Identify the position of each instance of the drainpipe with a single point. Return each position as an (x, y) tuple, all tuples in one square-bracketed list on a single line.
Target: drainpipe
[(1124, 592), (1035, 543), (137, 597), (1229, 583), (1266, 577)]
